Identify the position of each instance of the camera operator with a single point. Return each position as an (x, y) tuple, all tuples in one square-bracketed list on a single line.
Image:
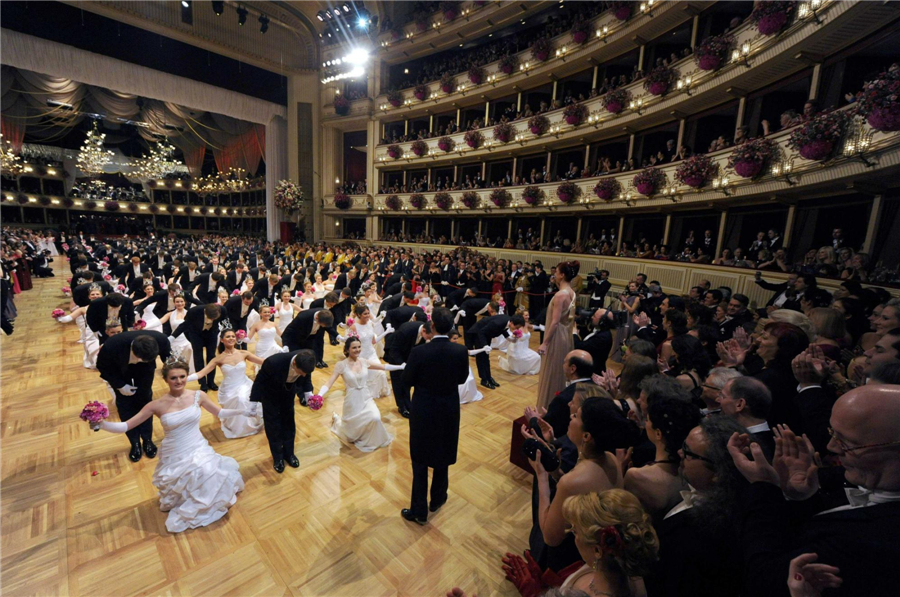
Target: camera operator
[(598, 285), (598, 343)]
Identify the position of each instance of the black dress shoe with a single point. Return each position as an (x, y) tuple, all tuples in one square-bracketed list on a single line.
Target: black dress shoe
[(404, 413), (435, 506), (213, 387), (292, 460), (279, 466), (149, 448), (204, 387), (135, 453), (321, 365), (408, 515), (488, 384), (494, 381), (334, 342)]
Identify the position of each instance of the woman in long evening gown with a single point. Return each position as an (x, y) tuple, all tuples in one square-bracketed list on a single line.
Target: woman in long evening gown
[(286, 310), (360, 420), (468, 390), (266, 331), (234, 391), (558, 341), (181, 346), (364, 327), (519, 358), (196, 485)]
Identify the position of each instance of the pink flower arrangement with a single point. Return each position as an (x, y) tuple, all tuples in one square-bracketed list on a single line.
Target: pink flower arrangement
[(419, 148), (342, 201), (236, 292), (575, 113), (508, 63), (500, 197), (503, 132), (878, 102), (540, 49), (418, 201), (517, 333), (770, 16), (392, 202), (139, 324), (298, 294), (450, 10), (607, 188), (447, 83), (580, 31), (57, 313), (240, 335), (395, 98), (421, 92), (659, 80), (315, 402), (394, 152), (94, 413), (69, 279), (615, 101), (350, 321), (446, 144), (749, 158), (341, 105), (696, 171), (67, 291), (65, 246), (120, 288), (418, 289), (817, 139), (568, 192), (443, 200), (649, 180), (538, 124), (532, 195), (476, 74), (471, 199), (106, 277), (713, 51), (474, 139), (622, 10)]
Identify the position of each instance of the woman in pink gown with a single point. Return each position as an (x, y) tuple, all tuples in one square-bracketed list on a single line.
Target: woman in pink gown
[(558, 341)]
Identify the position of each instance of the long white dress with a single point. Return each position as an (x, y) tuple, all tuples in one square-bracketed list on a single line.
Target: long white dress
[(196, 485), (468, 391), (234, 392), (519, 359), (360, 421), (377, 380), (379, 329), (150, 318), (265, 343), (285, 316), (181, 345)]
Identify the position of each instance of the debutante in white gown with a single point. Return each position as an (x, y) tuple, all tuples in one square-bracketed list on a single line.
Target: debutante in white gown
[(265, 343), (468, 391), (519, 359), (152, 321), (285, 316), (234, 392), (196, 485), (500, 343), (181, 345), (360, 421), (377, 380)]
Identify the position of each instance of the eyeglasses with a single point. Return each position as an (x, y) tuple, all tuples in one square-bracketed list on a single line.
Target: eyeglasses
[(693, 455), (713, 388), (849, 450)]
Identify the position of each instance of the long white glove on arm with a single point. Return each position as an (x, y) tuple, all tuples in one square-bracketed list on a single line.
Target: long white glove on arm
[(225, 413), (192, 377), (114, 427), (323, 390), (65, 319), (388, 330), (486, 349), (389, 367), (459, 314), (127, 390)]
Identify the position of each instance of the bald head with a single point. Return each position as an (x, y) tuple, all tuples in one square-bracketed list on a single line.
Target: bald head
[(578, 364), (862, 417)]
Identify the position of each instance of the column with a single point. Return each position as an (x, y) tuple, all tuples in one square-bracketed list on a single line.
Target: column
[(720, 239), (621, 232), (403, 226), (428, 176), (455, 173), (553, 97), (404, 177), (577, 230), (452, 229), (406, 127), (814, 81), (484, 171), (479, 226), (519, 102), (630, 146), (549, 156), (789, 226), (681, 123), (276, 169), (514, 172), (665, 240), (742, 109), (872, 227), (587, 158), (543, 222), (458, 117), (641, 58), (695, 26), (596, 74), (431, 123), (487, 112), (509, 228), (427, 226)]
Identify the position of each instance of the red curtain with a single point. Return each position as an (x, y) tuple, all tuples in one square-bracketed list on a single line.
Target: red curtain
[(14, 132), (245, 151), (193, 159)]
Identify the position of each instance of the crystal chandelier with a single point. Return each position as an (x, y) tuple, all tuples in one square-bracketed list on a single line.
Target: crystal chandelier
[(158, 164), (10, 163), (93, 156)]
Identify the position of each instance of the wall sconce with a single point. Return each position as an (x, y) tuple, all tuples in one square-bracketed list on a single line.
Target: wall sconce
[(489, 144), (603, 33), (647, 8), (436, 25), (492, 79), (671, 193), (684, 84), (594, 119), (407, 102), (811, 7), (720, 184), (782, 171), (740, 56), (461, 88), (410, 35), (637, 104), (857, 145), (383, 107), (520, 138), (628, 198), (554, 130), (465, 13), (524, 67), (561, 53)]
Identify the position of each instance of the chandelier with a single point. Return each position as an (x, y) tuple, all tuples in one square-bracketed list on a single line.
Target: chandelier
[(93, 156), (10, 163), (233, 180), (158, 164)]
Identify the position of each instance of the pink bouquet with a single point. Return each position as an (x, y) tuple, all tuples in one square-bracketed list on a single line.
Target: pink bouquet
[(106, 277), (418, 289), (240, 334), (67, 291), (57, 313), (163, 286), (65, 246), (502, 303), (236, 292), (517, 333), (139, 324), (298, 294), (349, 321), (315, 402), (69, 280), (94, 413), (120, 288)]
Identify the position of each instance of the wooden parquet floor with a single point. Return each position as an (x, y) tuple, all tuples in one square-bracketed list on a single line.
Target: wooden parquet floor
[(78, 518)]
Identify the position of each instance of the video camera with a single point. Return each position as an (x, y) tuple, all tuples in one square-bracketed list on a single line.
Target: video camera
[(610, 320)]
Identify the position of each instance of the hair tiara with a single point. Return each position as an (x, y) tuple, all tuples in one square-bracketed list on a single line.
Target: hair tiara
[(94, 287), (264, 303), (225, 326), (113, 322)]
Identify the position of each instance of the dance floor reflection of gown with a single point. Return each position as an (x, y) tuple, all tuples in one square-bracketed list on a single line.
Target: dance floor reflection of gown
[(360, 421), (196, 485)]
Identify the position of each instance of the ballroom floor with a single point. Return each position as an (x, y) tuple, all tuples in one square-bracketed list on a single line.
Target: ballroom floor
[(78, 518)]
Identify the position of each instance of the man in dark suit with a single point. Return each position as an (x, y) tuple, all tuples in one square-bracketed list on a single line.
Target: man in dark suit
[(598, 288), (127, 362), (748, 401), (403, 340), (329, 302), (578, 368), (159, 262), (858, 537), (480, 335), (540, 283), (206, 287), (268, 288), (435, 371), (188, 275), (448, 274), (81, 293), (235, 278), (201, 327), (239, 308), (470, 308), (307, 330), (294, 283), (599, 342), (132, 271), (406, 312), (280, 378), (164, 302), (738, 316), (111, 306), (782, 292)]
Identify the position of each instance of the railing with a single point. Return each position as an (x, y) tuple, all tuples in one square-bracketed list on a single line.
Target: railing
[(125, 207)]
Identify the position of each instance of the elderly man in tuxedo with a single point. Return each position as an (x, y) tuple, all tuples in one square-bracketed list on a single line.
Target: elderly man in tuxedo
[(435, 370), (857, 532)]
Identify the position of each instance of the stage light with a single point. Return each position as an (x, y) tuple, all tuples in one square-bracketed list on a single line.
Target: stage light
[(263, 23), (346, 7), (242, 15), (362, 22), (218, 7), (185, 3), (357, 57), (320, 17)]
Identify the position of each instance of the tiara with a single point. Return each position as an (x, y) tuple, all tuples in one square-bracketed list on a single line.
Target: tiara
[(179, 293), (264, 303), (113, 322), (225, 326), (95, 286), (175, 358)]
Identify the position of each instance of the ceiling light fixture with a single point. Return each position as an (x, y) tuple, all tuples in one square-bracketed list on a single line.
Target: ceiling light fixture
[(218, 7), (263, 23), (242, 15)]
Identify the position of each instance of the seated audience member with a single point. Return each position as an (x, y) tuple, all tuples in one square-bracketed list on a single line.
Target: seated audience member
[(786, 514), (712, 388), (578, 367), (690, 363), (830, 331), (748, 401), (887, 373)]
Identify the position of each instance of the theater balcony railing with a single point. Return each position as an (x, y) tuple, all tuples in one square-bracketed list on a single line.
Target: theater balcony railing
[(360, 205)]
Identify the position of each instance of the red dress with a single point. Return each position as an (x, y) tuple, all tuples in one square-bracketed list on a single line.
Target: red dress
[(23, 273)]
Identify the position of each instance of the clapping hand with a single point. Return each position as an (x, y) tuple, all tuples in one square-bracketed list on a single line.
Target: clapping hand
[(607, 381), (756, 470), (742, 338), (808, 369), (624, 458), (806, 579), (641, 320), (796, 464), (662, 364), (730, 353)]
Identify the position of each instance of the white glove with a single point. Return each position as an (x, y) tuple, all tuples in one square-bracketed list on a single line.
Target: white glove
[(171, 339), (64, 319), (113, 427), (488, 349), (400, 367), (445, 283), (225, 413), (538, 327), (342, 338), (461, 313), (520, 289), (454, 308), (322, 391), (127, 390), (192, 377), (307, 395)]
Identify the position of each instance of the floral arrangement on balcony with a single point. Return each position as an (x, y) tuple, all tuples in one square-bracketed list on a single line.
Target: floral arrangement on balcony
[(621, 10), (608, 188), (580, 31), (659, 80), (575, 113), (450, 10), (423, 20), (133, 207), (878, 102), (419, 148), (341, 105), (817, 139), (713, 51), (68, 202), (533, 195), (90, 204), (203, 210), (649, 180), (169, 208), (396, 34), (447, 83), (153, 208), (696, 171), (752, 156), (392, 202), (474, 139), (111, 206), (471, 199), (288, 195), (421, 92), (342, 201), (500, 197), (395, 98), (443, 200), (508, 63), (476, 74), (446, 144), (479, 3), (540, 49), (538, 124), (615, 101), (394, 152), (503, 132), (568, 192), (418, 201), (770, 16)]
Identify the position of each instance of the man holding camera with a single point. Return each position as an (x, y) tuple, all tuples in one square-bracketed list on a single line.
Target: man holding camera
[(598, 285), (598, 343)]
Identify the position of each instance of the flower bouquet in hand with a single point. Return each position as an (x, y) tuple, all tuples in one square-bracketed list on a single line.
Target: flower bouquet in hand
[(66, 291), (315, 402), (94, 413), (139, 324), (241, 335), (57, 313), (517, 334)]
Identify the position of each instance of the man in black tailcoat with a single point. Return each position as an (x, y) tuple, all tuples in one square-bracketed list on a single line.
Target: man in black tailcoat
[(201, 327), (111, 306), (206, 287), (435, 371), (127, 362), (280, 378), (403, 340), (307, 330), (480, 336)]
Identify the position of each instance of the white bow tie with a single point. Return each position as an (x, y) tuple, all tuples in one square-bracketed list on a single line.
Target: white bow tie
[(860, 496), (691, 497)]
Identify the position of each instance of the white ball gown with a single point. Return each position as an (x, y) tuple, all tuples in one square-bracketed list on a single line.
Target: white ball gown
[(234, 392), (196, 485), (181, 345), (519, 359), (377, 380), (468, 391), (150, 318), (285, 316), (265, 343), (360, 421)]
